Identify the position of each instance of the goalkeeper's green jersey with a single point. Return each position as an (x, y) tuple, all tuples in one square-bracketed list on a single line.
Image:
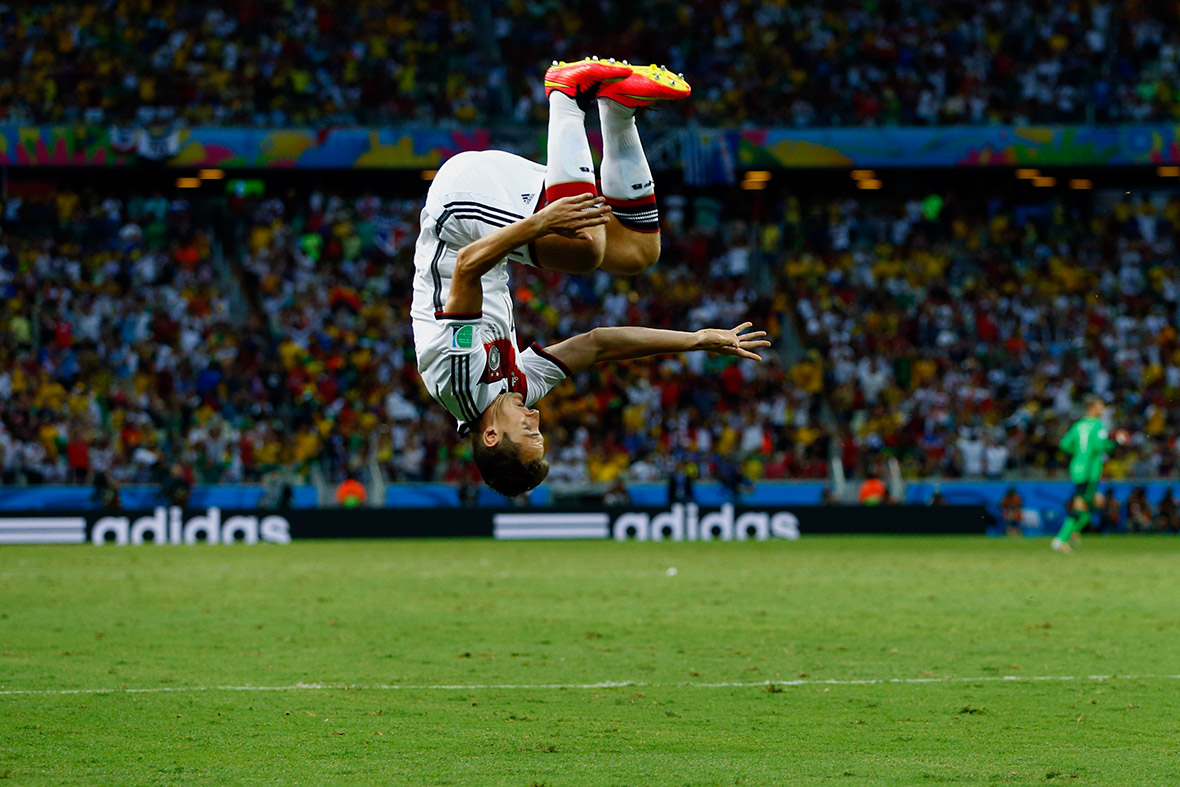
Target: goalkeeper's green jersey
[(1087, 442)]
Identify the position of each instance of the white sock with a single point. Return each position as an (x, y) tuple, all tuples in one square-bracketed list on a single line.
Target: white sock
[(626, 176), (625, 172), (570, 167)]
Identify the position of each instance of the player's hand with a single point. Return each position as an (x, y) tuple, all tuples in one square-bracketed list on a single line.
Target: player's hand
[(571, 217), (1122, 436), (732, 342)]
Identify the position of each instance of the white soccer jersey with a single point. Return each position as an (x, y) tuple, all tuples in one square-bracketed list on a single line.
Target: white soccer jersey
[(467, 360)]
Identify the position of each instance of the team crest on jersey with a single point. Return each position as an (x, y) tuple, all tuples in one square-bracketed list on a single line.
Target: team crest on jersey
[(502, 365), (463, 337)]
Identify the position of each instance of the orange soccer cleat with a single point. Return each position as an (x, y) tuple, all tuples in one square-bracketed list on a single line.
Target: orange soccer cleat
[(584, 79), (645, 85)]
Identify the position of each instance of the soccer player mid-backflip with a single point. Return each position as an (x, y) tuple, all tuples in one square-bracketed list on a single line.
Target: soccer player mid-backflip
[(1087, 442), (484, 208)]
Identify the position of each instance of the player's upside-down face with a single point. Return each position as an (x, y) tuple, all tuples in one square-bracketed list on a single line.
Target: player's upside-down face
[(511, 418)]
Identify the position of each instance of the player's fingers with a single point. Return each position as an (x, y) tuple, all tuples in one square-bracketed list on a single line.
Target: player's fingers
[(754, 335), (580, 199), (559, 204), (743, 327), (750, 355), (577, 204), (585, 201), (593, 210)]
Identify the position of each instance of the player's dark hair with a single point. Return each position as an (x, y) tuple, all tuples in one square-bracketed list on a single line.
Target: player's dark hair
[(501, 466)]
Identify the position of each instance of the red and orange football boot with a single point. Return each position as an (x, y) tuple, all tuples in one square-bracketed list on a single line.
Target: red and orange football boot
[(645, 85), (584, 80)]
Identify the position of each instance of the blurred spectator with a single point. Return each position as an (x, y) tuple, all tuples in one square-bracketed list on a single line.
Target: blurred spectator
[(1167, 517), (938, 498), (1012, 512), (733, 481), (680, 484), (971, 454), (10, 460), (1139, 519), (78, 457), (616, 494), (872, 492), (1111, 520), (466, 475), (350, 493), (995, 459), (106, 492), (468, 492), (178, 487)]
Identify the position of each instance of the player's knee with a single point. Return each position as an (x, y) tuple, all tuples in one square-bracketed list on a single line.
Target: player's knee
[(1079, 504), (592, 253), (565, 255), (582, 260)]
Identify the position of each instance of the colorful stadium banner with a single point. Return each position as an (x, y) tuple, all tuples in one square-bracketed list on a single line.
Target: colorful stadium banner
[(704, 152), (960, 146)]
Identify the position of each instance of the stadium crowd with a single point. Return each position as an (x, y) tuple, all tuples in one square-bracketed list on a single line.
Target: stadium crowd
[(961, 342), (853, 62), (956, 336)]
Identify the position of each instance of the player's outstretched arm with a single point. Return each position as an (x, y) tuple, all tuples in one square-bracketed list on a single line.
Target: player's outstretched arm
[(569, 217), (626, 343)]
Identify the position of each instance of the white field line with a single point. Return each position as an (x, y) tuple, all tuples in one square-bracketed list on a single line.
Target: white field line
[(603, 685)]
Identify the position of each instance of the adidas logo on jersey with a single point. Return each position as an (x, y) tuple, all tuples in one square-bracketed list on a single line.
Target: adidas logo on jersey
[(527, 198)]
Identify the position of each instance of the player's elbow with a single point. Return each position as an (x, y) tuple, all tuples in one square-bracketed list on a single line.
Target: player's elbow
[(465, 262), (598, 341)]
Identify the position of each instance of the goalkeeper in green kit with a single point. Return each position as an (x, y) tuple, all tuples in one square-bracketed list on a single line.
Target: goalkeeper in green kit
[(1087, 442)]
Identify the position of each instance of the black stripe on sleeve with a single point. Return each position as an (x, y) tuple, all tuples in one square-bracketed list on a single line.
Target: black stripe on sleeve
[(539, 350), (458, 315), (456, 392), (436, 276), (475, 413), (464, 204), (442, 220), (486, 218)]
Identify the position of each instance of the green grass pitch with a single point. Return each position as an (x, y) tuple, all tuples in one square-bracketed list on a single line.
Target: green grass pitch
[(348, 636)]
